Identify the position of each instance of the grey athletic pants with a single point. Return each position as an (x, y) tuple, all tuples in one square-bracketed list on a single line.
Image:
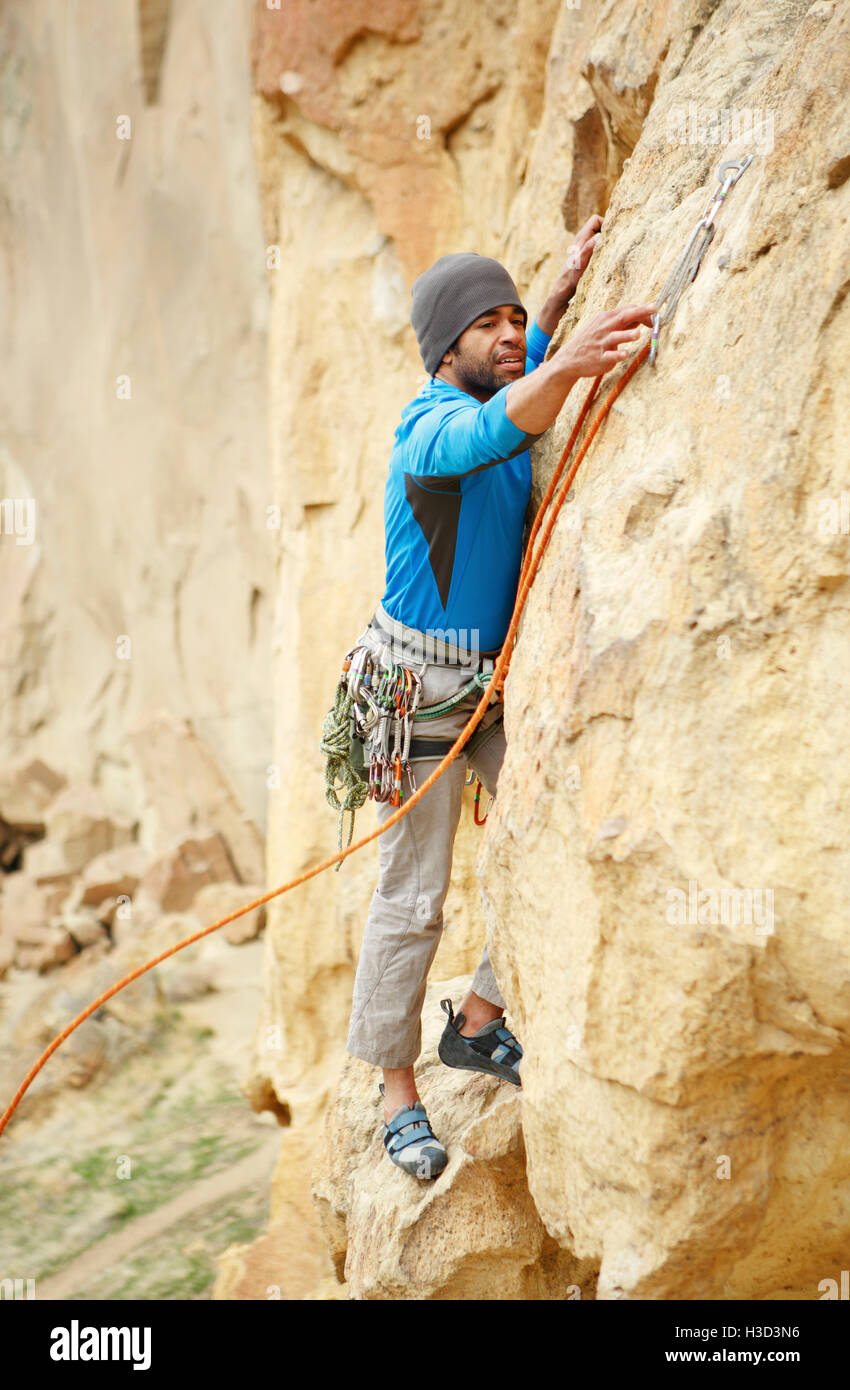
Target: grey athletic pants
[(405, 920)]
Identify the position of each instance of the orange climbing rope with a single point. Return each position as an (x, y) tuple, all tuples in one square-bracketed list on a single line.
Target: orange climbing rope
[(531, 564)]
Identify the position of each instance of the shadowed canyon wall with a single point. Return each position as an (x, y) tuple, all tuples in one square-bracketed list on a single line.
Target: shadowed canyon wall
[(137, 576)]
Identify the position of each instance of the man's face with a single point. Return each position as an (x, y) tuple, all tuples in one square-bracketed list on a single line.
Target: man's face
[(489, 354)]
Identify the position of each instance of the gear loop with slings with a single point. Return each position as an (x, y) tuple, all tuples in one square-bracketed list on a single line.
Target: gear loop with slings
[(340, 774)]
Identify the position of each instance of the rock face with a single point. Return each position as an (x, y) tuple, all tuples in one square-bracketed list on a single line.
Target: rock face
[(89, 882), (676, 708), (474, 1231), (677, 693), (182, 781)]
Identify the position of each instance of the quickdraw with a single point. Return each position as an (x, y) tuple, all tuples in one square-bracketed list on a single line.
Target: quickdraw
[(384, 697), (685, 270)]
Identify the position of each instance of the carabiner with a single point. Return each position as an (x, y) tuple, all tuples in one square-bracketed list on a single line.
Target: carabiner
[(739, 165), (480, 820)]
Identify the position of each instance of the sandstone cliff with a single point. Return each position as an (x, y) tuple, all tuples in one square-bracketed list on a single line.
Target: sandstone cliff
[(137, 546), (676, 709), (136, 560), (684, 653)]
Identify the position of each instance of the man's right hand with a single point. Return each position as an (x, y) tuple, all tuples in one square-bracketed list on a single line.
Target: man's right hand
[(599, 345), (533, 402), (602, 344)]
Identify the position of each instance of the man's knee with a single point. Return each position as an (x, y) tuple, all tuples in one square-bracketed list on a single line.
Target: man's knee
[(428, 912)]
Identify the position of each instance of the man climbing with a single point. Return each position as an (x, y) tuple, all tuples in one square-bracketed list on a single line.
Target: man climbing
[(455, 505)]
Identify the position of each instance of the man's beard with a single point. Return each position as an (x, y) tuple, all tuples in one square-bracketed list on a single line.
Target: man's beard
[(481, 376)]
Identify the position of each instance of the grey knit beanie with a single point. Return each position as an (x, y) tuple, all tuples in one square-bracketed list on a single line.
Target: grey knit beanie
[(453, 292)]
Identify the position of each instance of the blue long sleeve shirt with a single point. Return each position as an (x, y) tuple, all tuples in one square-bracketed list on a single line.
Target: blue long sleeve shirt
[(454, 509)]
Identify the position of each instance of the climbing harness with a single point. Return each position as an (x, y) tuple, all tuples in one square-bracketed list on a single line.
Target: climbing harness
[(367, 736), (553, 500), (685, 270)]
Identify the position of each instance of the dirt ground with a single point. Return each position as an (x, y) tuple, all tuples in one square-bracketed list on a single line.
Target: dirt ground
[(134, 1162)]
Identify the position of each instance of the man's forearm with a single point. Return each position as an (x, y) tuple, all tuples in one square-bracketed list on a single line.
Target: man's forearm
[(533, 402), (551, 314)]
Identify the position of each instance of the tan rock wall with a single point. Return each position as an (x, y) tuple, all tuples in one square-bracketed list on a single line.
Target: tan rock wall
[(474, 1233), (676, 709)]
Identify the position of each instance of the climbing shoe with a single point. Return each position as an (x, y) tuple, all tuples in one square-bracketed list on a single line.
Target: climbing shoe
[(411, 1143), (493, 1049)]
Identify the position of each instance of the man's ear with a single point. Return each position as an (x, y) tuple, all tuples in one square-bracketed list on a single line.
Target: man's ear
[(445, 361), (449, 354)]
